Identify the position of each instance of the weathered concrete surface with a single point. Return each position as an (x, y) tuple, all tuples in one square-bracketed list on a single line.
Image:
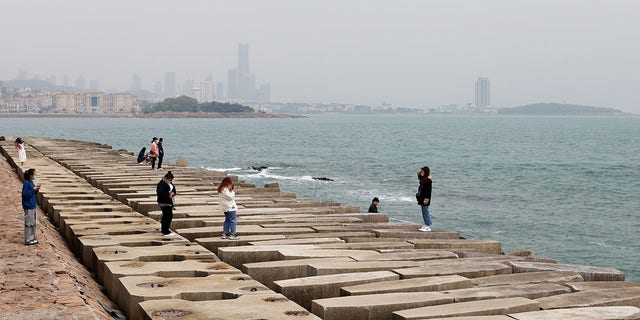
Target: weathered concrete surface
[(598, 285), (173, 269), (169, 252), (588, 273), (487, 246), (246, 307), (375, 307), (588, 313), (304, 290), (605, 297), (530, 291), (437, 283), (473, 308), (455, 266), (270, 271), (237, 256), (529, 277), (134, 290)]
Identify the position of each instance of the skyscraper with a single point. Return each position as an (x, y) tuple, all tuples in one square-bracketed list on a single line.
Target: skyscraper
[(170, 84), (483, 93), (136, 82), (232, 84)]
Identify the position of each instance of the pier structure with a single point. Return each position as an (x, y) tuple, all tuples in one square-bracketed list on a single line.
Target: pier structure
[(295, 259)]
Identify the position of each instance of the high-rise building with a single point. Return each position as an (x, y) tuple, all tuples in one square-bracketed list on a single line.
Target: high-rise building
[(219, 91), (157, 88), (23, 74), (136, 82), (206, 91), (80, 82), (483, 93), (265, 92), (243, 60), (93, 85), (170, 84), (232, 84)]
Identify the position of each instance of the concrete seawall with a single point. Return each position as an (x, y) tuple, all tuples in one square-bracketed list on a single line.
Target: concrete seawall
[(295, 259)]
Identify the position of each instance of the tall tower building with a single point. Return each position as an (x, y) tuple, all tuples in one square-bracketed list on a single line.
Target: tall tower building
[(136, 82), (483, 93), (170, 84), (243, 59), (232, 84)]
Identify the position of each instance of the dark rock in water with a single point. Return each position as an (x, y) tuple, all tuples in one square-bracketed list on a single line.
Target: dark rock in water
[(260, 168), (2, 138), (322, 178)]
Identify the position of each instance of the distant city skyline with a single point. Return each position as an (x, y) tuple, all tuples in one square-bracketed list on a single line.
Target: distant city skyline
[(417, 53)]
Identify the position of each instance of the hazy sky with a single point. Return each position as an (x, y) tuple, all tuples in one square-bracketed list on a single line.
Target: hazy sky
[(405, 52)]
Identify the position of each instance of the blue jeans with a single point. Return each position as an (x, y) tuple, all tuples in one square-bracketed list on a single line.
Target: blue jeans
[(425, 215), (229, 226)]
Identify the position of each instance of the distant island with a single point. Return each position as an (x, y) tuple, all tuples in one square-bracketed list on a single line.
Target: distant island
[(560, 109)]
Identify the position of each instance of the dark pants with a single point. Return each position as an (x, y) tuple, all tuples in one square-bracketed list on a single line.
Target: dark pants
[(160, 160), (167, 216), (153, 162)]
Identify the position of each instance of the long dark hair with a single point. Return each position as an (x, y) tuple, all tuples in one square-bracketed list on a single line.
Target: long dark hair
[(226, 182), (426, 172)]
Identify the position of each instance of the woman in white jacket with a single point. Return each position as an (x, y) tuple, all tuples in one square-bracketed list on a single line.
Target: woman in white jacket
[(226, 195)]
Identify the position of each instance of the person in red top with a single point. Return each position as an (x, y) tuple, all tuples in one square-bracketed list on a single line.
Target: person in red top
[(153, 152)]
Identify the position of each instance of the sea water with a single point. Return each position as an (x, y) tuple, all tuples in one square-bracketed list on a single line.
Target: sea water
[(566, 188)]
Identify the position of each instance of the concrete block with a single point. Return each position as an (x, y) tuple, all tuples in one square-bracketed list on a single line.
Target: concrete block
[(246, 307), (133, 290), (437, 283), (529, 277), (588, 273), (270, 271), (166, 269), (304, 290), (237, 256), (596, 298), (324, 268), (529, 291), (473, 308), (488, 246), (586, 313), (375, 306), (469, 269), (169, 252)]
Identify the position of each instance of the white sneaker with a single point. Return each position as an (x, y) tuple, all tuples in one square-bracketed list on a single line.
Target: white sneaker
[(169, 234), (425, 228), (224, 236)]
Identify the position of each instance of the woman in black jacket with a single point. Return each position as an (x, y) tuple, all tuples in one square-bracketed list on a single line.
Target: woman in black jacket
[(424, 196)]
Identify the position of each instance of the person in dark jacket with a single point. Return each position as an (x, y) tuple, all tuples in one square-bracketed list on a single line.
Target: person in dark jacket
[(29, 204), (374, 205), (166, 191), (142, 155), (424, 196), (160, 154)]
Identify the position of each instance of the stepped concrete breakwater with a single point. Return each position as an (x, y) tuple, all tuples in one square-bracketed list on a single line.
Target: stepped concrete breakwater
[(295, 259)]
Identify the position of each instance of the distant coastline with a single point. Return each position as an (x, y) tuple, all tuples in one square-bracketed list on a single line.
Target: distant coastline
[(167, 114), (561, 109)]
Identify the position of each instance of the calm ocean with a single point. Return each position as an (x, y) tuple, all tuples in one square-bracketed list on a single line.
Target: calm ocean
[(567, 188)]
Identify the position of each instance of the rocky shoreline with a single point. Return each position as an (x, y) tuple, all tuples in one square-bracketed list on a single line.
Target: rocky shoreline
[(296, 258)]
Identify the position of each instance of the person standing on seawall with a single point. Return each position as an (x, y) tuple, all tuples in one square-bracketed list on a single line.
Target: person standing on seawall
[(22, 152), (226, 196), (374, 205), (160, 154), (153, 152), (166, 191), (424, 196), (29, 204)]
